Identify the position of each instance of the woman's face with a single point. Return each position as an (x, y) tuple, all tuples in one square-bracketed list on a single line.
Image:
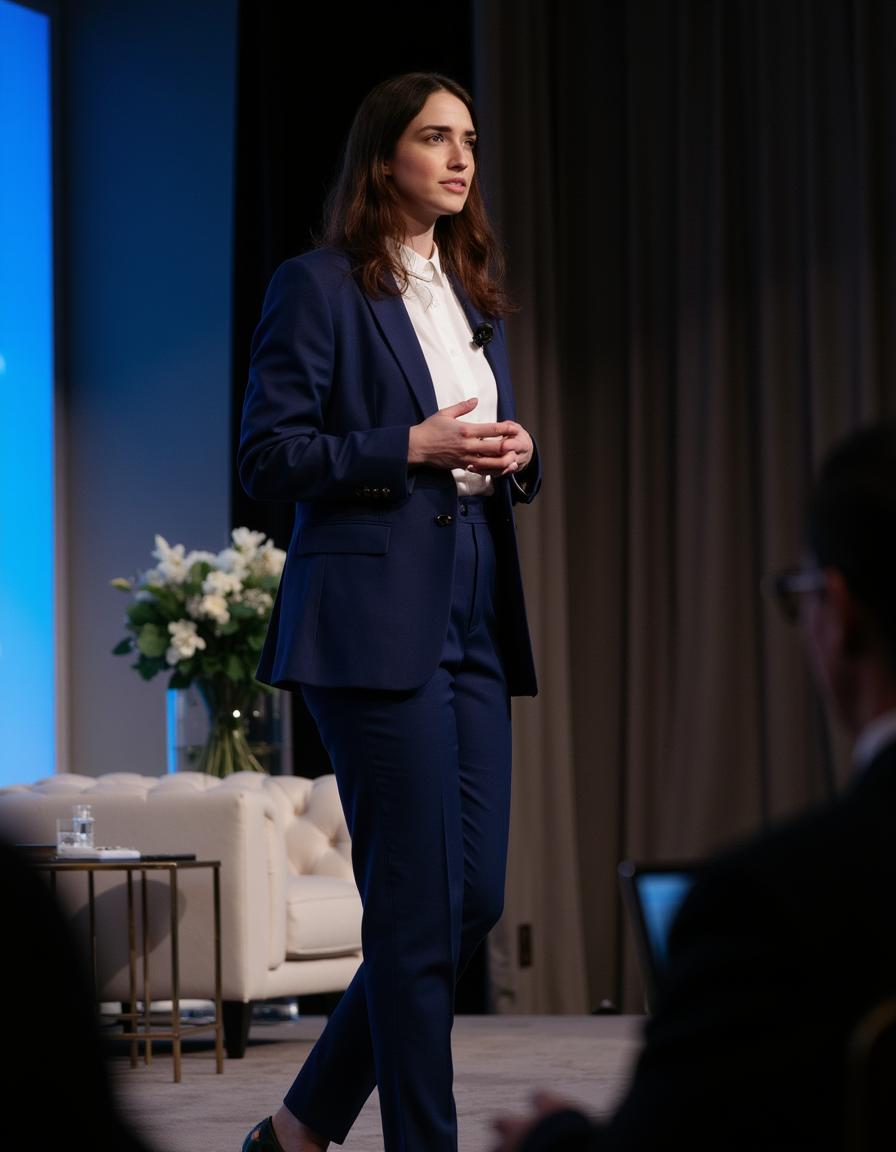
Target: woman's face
[(433, 162)]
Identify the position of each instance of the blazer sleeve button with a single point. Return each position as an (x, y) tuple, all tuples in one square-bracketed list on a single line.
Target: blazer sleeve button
[(444, 519), (387, 491)]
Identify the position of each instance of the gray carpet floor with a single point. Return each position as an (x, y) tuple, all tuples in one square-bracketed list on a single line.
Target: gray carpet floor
[(498, 1061)]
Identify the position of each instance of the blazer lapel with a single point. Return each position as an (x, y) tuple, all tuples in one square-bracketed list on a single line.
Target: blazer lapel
[(393, 321)]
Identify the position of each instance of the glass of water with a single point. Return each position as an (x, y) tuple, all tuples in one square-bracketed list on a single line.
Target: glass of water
[(82, 820), (66, 836)]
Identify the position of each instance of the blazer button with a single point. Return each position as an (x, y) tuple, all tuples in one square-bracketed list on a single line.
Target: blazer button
[(387, 491), (444, 519)]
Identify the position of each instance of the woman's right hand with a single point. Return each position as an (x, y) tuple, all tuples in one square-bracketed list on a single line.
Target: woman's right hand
[(443, 440)]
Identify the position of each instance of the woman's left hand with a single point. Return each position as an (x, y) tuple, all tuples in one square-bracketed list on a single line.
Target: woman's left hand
[(516, 440)]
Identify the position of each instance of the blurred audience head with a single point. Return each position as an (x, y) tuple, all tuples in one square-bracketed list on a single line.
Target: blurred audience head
[(849, 613), (852, 525)]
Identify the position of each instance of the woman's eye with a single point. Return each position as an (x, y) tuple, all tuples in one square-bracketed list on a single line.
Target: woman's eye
[(437, 137)]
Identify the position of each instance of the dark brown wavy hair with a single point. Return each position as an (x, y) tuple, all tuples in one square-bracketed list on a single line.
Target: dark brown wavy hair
[(362, 214)]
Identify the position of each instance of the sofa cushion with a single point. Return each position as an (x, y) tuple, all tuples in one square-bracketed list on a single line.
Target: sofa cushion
[(323, 917)]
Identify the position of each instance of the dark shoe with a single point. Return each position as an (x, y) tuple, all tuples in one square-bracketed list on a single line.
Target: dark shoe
[(262, 1138)]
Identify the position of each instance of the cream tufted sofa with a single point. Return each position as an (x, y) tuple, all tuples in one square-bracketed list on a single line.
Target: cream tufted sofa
[(290, 909)]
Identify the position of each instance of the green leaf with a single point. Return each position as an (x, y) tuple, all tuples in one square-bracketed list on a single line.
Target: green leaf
[(235, 669), (171, 603), (149, 668), (180, 679), (151, 641), (121, 583), (199, 571), (142, 612), (123, 647)]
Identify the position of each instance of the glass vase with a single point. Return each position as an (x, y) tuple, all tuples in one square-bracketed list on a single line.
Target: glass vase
[(219, 727)]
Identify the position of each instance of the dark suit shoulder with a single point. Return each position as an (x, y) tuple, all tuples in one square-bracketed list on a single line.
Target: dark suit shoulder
[(766, 871), (324, 261), (824, 835), (814, 874), (328, 269)]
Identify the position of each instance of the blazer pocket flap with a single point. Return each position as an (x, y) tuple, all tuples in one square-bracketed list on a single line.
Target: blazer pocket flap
[(368, 539)]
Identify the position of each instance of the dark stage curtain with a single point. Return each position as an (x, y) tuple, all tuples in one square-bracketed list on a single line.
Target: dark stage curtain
[(696, 196)]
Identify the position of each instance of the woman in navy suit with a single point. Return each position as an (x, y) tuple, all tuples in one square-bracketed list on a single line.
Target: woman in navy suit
[(380, 403)]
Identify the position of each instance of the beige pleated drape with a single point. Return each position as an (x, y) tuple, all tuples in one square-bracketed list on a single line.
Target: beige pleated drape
[(693, 197)]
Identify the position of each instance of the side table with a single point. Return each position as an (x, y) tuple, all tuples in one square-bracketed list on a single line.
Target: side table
[(138, 1025)]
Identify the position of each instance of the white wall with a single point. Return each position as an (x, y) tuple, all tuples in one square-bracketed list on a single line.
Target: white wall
[(148, 132)]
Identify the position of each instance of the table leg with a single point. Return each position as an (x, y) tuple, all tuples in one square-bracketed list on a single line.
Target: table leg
[(91, 905), (147, 993), (132, 969), (219, 1024), (175, 977)]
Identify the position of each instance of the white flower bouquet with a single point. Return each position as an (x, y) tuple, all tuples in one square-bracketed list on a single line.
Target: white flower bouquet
[(203, 617)]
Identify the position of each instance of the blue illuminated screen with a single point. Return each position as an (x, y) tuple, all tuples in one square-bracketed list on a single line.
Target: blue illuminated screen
[(27, 613), (661, 897)]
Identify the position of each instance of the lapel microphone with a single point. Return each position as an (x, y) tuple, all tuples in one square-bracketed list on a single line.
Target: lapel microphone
[(482, 333)]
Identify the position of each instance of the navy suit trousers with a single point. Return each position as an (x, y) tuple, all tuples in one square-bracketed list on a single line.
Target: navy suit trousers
[(424, 779)]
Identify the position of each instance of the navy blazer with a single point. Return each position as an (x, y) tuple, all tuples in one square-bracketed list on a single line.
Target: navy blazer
[(336, 380)]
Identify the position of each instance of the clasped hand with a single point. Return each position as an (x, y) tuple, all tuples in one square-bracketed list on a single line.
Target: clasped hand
[(443, 440)]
